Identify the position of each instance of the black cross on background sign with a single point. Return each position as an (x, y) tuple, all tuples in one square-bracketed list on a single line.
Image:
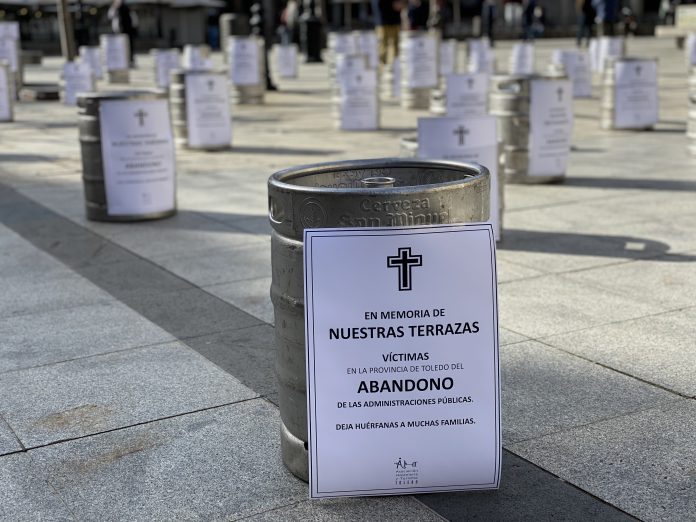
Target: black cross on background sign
[(211, 84), (404, 261), (560, 94), (141, 116), (461, 132)]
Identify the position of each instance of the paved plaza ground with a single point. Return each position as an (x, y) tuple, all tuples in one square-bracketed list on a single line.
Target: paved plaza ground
[(136, 360)]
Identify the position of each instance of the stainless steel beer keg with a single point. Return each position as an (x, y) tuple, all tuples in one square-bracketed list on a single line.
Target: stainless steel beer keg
[(120, 74), (342, 195), (608, 101), (691, 122), (251, 94), (89, 124), (177, 105), (9, 89), (510, 102), (413, 97)]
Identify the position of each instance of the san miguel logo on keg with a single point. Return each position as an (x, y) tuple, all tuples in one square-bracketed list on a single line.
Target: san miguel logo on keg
[(394, 213)]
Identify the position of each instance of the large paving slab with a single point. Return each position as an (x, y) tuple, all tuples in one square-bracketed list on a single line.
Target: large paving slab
[(642, 463), (94, 394), (8, 441), (545, 391)]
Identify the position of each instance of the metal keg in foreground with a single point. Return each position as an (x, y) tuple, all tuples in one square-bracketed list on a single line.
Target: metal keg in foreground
[(7, 96), (510, 102), (691, 121), (348, 194), (609, 92), (89, 122), (115, 51), (177, 104)]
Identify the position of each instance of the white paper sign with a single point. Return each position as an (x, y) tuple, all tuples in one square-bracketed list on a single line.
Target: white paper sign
[(347, 67), (448, 57), (522, 58), (244, 61), (208, 110), (166, 60), (367, 45), (467, 94), (91, 56), (550, 127), (396, 83), (114, 52), (9, 51), (690, 49), (138, 156), (359, 106), (402, 360), (467, 140), (77, 78), (593, 50), (420, 57), (636, 102), (9, 30), (5, 95), (287, 61), (196, 58), (480, 56), (608, 46), (345, 43), (578, 68)]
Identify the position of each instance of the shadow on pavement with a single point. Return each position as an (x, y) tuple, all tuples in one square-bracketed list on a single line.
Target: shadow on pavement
[(26, 158), (631, 183), (622, 247), (284, 151)]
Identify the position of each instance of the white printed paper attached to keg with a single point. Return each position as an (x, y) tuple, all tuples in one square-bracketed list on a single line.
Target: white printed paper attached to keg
[(286, 60), (77, 77), (138, 154), (403, 389), (467, 94), (166, 60), (358, 104), (577, 67), (636, 102), (115, 49), (244, 61), (690, 49), (550, 127), (467, 140), (448, 57), (420, 57), (9, 51), (208, 110), (5, 95), (522, 58)]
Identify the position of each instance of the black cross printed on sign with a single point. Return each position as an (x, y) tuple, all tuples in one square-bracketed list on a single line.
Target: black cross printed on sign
[(211, 84), (470, 82), (559, 91), (461, 131), (141, 116), (404, 261), (639, 69)]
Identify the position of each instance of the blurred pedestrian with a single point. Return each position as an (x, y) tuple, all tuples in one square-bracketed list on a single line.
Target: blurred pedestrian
[(586, 16), (512, 14), (418, 13), (387, 14), (124, 21), (488, 19), (607, 16), (528, 7)]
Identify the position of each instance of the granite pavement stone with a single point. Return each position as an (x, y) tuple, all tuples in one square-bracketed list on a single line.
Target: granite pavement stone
[(8, 442), (94, 394)]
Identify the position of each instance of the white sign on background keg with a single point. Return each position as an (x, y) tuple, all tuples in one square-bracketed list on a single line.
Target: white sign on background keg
[(91, 56), (208, 110), (471, 139), (9, 51), (77, 77), (286, 60), (690, 49), (244, 61), (345, 43), (608, 46), (636, 94), (138, 156), (467, 94), (396, 83), (403, 385), (421, 54), (166, 60), (347, 67), (522, 58), (196, 58), (359, 106), (578, 68), (480, 56), (550, 127), (448, 57), (367, 45), (6, 93), (9, 30), (114, 51)]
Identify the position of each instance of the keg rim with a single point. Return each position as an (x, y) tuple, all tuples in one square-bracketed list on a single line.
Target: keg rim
[(471, 173), (130, 94), (614, 59)]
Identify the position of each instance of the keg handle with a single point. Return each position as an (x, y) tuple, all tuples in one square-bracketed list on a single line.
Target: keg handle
[(510, 86), (378, 182)]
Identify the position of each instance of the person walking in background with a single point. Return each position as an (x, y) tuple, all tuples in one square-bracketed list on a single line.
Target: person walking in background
[(586, 16), (418, 13), (124, 21), (528, 7), (387, 15), (607, 16), (488, 19)]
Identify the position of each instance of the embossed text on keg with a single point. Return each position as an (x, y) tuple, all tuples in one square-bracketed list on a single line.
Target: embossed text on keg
[(391, 213)]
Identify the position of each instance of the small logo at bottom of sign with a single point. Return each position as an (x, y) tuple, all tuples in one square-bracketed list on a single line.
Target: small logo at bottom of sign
[(406, 472)]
